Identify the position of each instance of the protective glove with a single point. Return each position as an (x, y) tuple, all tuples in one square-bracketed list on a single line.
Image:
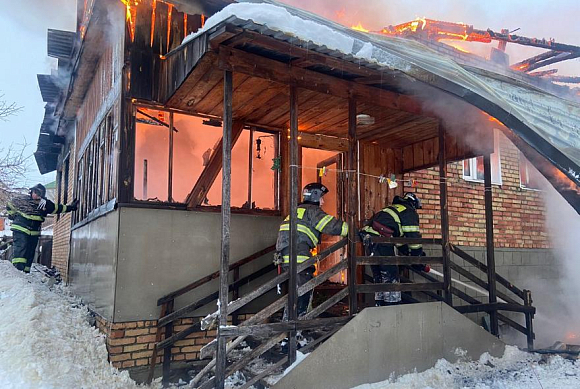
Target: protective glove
[(73, 206), (421, 267)]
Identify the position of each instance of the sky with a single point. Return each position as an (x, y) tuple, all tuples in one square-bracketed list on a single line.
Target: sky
[(23, 27)]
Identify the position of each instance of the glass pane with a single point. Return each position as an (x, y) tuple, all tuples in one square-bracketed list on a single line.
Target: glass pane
[(479, 168), (193, 145), (466, 168), (151, 155), (263, 177), (239, 177)]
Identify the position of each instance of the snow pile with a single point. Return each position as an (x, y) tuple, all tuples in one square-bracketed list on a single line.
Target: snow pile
[(515, 370), (46, 340), (278, 18)]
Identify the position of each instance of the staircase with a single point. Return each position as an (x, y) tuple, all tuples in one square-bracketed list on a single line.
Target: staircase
[(265, 331)]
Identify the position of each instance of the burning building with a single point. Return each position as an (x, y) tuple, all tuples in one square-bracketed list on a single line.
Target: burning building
[(184, 136)]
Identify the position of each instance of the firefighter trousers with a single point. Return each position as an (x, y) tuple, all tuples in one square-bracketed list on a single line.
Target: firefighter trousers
[(303, 277), (385, 274), (23, 250)]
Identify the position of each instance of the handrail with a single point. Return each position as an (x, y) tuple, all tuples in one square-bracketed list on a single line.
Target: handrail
[(463, 255), (382, 239), (214, 275)]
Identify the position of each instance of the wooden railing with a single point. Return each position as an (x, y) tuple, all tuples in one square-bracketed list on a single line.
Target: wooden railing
[(518, 301)]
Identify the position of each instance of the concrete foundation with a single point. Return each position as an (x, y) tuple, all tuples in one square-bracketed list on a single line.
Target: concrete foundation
[(385, 341)]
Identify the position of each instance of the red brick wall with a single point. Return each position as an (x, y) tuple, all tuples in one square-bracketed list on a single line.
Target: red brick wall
[(518, 213), (61, 232)]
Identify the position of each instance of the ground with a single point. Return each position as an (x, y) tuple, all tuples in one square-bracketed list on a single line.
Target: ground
[(47, 341)]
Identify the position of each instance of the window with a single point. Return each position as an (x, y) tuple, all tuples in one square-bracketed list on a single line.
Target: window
[(473, 167), (159, 178), (530, 177), (96, 168)]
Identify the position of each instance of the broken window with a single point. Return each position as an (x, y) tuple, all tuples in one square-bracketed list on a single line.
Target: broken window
[(530, 177), (96, 168), (473, 167), (192, 145)]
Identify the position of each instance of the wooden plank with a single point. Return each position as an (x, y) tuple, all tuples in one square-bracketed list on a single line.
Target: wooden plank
[(264, 373), (239, 81), (257, 66), (202, 79), (352, 158), (381, 239), (158, 335), (167, 351), (211, 171), (270, 329), (491, 278), (491, 307), (443, 201), (415, 287), (408, 157), (221, 359), (327, 304), (479, 282), (293, 273), (397, 260), (418, 154), (322, 142)]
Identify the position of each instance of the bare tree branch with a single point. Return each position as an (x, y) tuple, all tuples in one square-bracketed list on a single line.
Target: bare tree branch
[(7, 109)]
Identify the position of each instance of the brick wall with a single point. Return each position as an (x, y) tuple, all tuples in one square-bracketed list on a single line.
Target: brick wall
[(130, 344), (61, 231), (518, 213)]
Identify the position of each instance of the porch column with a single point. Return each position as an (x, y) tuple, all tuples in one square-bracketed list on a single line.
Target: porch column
[(226, 215), (494, 325), (446, 249), (293, 278), (352, 205)]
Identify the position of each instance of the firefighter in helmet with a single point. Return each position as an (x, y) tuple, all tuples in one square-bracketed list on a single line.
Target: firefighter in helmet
[(27, 213), (312, 223), (397, 220)]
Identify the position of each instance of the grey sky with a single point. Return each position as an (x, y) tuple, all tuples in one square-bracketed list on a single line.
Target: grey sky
[(23, 27)]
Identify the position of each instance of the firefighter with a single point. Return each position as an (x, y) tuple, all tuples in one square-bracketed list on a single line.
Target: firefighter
[(312, 222), (28, 213), (397, 220)]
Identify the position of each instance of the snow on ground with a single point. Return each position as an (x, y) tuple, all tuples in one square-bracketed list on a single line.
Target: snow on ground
[(515, 370), (46, 340)]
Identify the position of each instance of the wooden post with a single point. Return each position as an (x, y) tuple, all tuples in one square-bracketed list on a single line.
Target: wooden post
[(250, 166), (529, 316), (293, 276), (167, 351), (226, 214), (352, 205), (170, 175), (235, 294), (494, 325), (144, 179), (446, 249)]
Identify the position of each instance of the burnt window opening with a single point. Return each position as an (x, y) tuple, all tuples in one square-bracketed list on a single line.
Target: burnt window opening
[(172, 151), (95, 182), (473, 167), (62, 184)]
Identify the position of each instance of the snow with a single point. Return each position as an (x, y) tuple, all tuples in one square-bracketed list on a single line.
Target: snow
[(278, 18), (299, 358), (46, 340), (515, 370)]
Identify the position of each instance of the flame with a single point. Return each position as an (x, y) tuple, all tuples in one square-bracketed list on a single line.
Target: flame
[(185, 24), (572, 336), (439, 30), (456, 46), (169, 14), (202, 20), (359, 27), (154, 6), (131, 14), (493, 119)]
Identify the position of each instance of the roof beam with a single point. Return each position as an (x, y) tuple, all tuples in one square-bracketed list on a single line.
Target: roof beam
[(254, 65)]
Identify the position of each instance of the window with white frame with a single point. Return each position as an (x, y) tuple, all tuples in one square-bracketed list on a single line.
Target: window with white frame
[(530, 177), (473, 167)]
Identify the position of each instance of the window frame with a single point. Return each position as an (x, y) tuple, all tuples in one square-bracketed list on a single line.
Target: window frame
[(172, 204), (473, 165), (522, 158)]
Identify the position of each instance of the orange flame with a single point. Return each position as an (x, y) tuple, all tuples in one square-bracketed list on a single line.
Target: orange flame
[(169, 14), (359, 27), (185, 24), (457, 47), (202, 19), (154, 6)]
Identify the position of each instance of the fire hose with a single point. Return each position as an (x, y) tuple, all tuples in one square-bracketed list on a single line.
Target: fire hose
[(478, 290)]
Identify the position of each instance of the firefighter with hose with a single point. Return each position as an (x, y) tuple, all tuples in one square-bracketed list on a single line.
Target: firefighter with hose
[(27, 213), (397, 220), (312, 223)]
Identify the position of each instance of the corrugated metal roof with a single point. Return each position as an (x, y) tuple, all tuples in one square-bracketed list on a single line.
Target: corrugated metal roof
[(548, 123)]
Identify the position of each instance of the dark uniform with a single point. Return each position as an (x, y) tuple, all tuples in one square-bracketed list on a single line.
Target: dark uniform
[(312, 222), (397, 220), (27, 215)]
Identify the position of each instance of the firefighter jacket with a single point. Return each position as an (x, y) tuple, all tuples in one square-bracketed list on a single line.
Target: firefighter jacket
[(28, 215), (312, 222), (403, 219)]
